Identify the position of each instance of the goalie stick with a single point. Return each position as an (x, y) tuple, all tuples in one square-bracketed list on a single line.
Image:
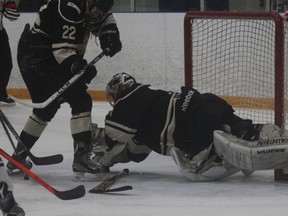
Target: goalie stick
[(53, 159), (104, 185), (74, 193), (62, 89)]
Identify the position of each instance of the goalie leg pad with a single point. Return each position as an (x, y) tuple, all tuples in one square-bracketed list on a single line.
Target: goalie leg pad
[(252, 155)]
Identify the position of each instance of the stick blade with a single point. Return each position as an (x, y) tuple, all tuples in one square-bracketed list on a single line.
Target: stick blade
[(74, 193), (46, 160), (123, 188)]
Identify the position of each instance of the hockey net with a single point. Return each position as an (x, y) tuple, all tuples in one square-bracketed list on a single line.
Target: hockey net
[(241, 58)]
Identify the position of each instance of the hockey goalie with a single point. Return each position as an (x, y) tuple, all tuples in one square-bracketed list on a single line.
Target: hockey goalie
[(200, 131)]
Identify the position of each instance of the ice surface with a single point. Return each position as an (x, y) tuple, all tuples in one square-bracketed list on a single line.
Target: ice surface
[(158, 187)]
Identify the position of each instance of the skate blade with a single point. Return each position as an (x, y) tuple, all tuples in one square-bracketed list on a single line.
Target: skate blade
[(89, 177), (17, 172)]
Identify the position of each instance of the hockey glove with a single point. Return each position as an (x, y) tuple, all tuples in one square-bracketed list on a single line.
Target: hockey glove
[(89, 74), (110, 40), (11, 11)]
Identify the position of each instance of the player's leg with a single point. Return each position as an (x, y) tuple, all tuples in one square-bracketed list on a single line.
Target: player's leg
[(6, 68), (8, 205), (80, 124), (40, 76)]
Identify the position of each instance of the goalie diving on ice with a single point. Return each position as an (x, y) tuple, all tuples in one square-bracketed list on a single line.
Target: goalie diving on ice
[(200, 131)]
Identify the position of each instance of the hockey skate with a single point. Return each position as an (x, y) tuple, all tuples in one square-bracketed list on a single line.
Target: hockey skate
[(22, 158), (8, 204)]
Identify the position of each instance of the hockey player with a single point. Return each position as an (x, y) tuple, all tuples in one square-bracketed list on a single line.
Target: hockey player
[(9, 10), (8, 205), (50, 54), (200, 131)]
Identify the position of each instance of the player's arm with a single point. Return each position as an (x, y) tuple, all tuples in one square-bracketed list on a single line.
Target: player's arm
[(109, 35), (119, 146), (120, 152)]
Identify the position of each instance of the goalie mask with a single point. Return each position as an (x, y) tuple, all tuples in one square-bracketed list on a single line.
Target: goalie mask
[(97, 10), (117, 85)]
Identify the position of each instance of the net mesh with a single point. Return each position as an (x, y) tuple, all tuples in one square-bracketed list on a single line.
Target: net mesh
[(235, 59)]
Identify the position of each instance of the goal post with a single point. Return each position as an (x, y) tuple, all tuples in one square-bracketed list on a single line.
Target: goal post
[(240, 57)]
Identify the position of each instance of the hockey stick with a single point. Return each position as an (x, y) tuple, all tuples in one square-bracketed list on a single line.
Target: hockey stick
[(7, 132), (102, 187), (53, 159), (62, 89), (74, 193)]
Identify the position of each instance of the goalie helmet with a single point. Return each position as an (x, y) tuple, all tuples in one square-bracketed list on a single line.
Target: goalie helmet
[(117, 85), (96, 10)]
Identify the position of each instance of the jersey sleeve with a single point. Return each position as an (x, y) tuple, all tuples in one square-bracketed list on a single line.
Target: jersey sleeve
[(96, 30), (119, 133)]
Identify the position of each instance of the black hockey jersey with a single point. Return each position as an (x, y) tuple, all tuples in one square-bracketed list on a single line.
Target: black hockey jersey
[(148, 122), (62, 23), (158, 120)]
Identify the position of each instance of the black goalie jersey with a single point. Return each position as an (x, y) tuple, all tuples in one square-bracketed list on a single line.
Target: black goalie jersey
[(158, 120), (144, 118)]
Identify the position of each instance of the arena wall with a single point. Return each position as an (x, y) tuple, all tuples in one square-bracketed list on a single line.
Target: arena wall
[(152, 51)]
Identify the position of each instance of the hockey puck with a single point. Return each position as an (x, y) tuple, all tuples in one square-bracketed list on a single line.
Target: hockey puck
[(26, 177)]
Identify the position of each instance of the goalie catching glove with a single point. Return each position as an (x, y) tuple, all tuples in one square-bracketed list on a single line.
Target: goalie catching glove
[(117, 154), (203, 166), (103, 155)]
